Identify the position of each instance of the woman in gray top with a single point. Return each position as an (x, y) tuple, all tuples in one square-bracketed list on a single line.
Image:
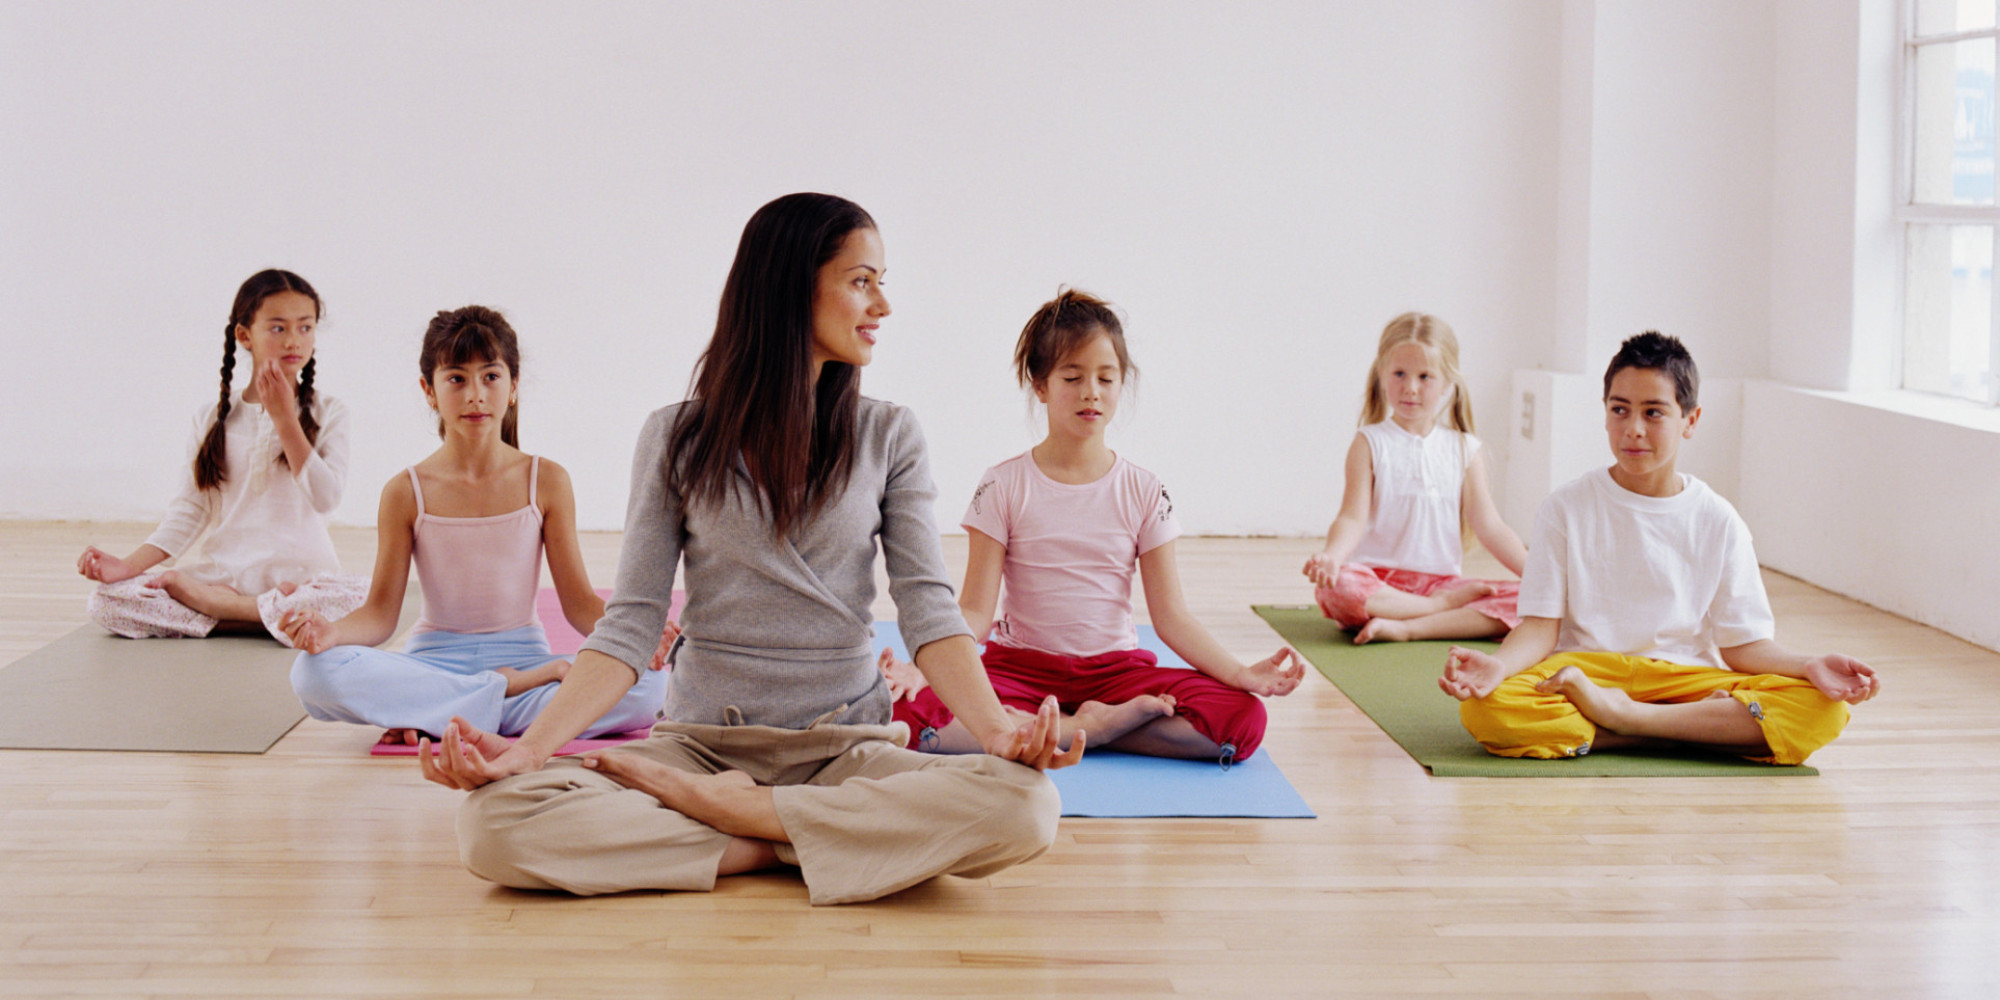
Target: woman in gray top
[(773, 483)]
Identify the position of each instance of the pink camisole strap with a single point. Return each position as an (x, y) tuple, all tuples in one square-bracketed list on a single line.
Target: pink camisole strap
[(479, 574)]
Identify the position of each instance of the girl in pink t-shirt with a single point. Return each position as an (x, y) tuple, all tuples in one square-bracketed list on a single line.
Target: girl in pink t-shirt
[(1415, 486), (1059, 531)]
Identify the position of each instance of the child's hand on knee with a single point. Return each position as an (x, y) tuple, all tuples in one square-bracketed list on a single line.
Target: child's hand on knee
[(102, 566), (905, 680), (1843, 678), (309, 631), (1469, 673), (1321, 569), (669, 632), (1275, 675)]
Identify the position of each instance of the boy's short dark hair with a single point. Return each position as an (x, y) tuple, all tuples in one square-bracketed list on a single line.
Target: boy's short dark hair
[(1663, 354)]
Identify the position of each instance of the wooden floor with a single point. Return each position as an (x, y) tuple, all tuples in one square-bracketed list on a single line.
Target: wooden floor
[(314, 870)]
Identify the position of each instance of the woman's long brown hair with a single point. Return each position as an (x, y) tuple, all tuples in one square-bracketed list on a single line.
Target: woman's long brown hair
[(753, 398)]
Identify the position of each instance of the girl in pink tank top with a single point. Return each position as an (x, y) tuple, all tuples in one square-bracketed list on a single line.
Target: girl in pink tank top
[(477, 518)]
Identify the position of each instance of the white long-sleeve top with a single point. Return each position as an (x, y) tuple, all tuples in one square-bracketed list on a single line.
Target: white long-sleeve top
[(267, 525)]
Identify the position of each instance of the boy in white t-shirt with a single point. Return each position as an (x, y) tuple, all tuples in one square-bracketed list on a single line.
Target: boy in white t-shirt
[(1642, 584)]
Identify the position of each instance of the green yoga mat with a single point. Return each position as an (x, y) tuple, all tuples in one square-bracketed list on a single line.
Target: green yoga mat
[(1396, 685)]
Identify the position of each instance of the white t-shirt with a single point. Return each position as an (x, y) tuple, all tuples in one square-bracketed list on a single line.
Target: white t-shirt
[(1066, 584), (1668, 578), (1419, 482)]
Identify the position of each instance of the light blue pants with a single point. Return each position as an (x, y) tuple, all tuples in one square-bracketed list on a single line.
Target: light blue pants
[(442, 674)]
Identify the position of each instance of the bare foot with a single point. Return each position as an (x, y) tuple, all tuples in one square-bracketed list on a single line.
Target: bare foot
[(287, 589), (1608, 707), (1462, 593), (404, 737), (519, 681), (729, 801), (1382, 630), (1105, 723), (206, 598)]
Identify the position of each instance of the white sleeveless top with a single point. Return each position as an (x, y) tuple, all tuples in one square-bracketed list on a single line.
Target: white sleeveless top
[(1418, 485)]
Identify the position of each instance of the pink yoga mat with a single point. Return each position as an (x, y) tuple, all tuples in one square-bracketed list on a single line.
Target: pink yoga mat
[(563, 641), (572, 747)]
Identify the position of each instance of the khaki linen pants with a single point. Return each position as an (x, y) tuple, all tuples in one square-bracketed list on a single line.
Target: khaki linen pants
[(866, 816)]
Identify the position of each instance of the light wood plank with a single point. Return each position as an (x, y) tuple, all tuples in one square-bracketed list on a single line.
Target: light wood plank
[(316, 871)]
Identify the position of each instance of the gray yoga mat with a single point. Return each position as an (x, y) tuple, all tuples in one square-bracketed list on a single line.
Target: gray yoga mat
[(91, 690)]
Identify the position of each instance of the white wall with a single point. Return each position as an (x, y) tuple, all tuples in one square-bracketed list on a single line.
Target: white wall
[(1835, 249), (1259, 186), (1666, 146), (1680, 192), (1872, 492), (1902, 520)]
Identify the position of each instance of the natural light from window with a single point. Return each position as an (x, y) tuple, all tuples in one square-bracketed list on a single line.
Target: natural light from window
[(1950, 218)]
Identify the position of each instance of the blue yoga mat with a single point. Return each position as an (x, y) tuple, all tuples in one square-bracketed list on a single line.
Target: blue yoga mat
[(1111, 784)]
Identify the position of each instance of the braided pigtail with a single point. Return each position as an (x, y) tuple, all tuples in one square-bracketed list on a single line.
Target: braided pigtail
[(307, 422), (211, 460)]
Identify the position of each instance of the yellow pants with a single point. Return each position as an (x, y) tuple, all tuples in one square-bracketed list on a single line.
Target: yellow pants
[(1518, 721)]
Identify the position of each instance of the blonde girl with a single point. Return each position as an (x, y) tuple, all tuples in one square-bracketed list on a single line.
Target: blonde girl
[(266, 465), (1416, 485)]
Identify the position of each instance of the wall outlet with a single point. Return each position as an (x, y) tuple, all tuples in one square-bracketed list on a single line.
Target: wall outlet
[(1527, 416)]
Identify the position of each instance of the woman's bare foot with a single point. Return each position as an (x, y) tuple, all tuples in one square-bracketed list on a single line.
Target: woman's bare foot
[(520, 681), (1382, 630), (730, 801), (404, 737), (1462, 593), (1105, 723), (1608, 707)]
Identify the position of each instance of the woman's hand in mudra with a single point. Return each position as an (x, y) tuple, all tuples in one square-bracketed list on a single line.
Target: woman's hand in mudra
[(468, 757), (1034, 742)]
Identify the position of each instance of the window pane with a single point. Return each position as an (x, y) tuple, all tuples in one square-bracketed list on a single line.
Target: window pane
[(1942, 17), (1948, 325), (1952, 162)]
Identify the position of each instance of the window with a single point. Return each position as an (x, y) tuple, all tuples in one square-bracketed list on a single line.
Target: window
[(1951, 331)]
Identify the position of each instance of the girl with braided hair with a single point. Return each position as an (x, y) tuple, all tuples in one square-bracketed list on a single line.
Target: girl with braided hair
[(477, 518), (248, 529)]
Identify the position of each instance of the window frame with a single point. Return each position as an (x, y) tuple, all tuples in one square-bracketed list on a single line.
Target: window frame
[(1909, 212)]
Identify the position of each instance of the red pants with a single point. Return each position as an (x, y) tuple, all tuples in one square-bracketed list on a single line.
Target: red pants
[(1022, 678)]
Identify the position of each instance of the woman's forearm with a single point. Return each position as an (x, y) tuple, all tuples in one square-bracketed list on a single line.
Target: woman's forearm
[(952, 667), (594, 684)]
